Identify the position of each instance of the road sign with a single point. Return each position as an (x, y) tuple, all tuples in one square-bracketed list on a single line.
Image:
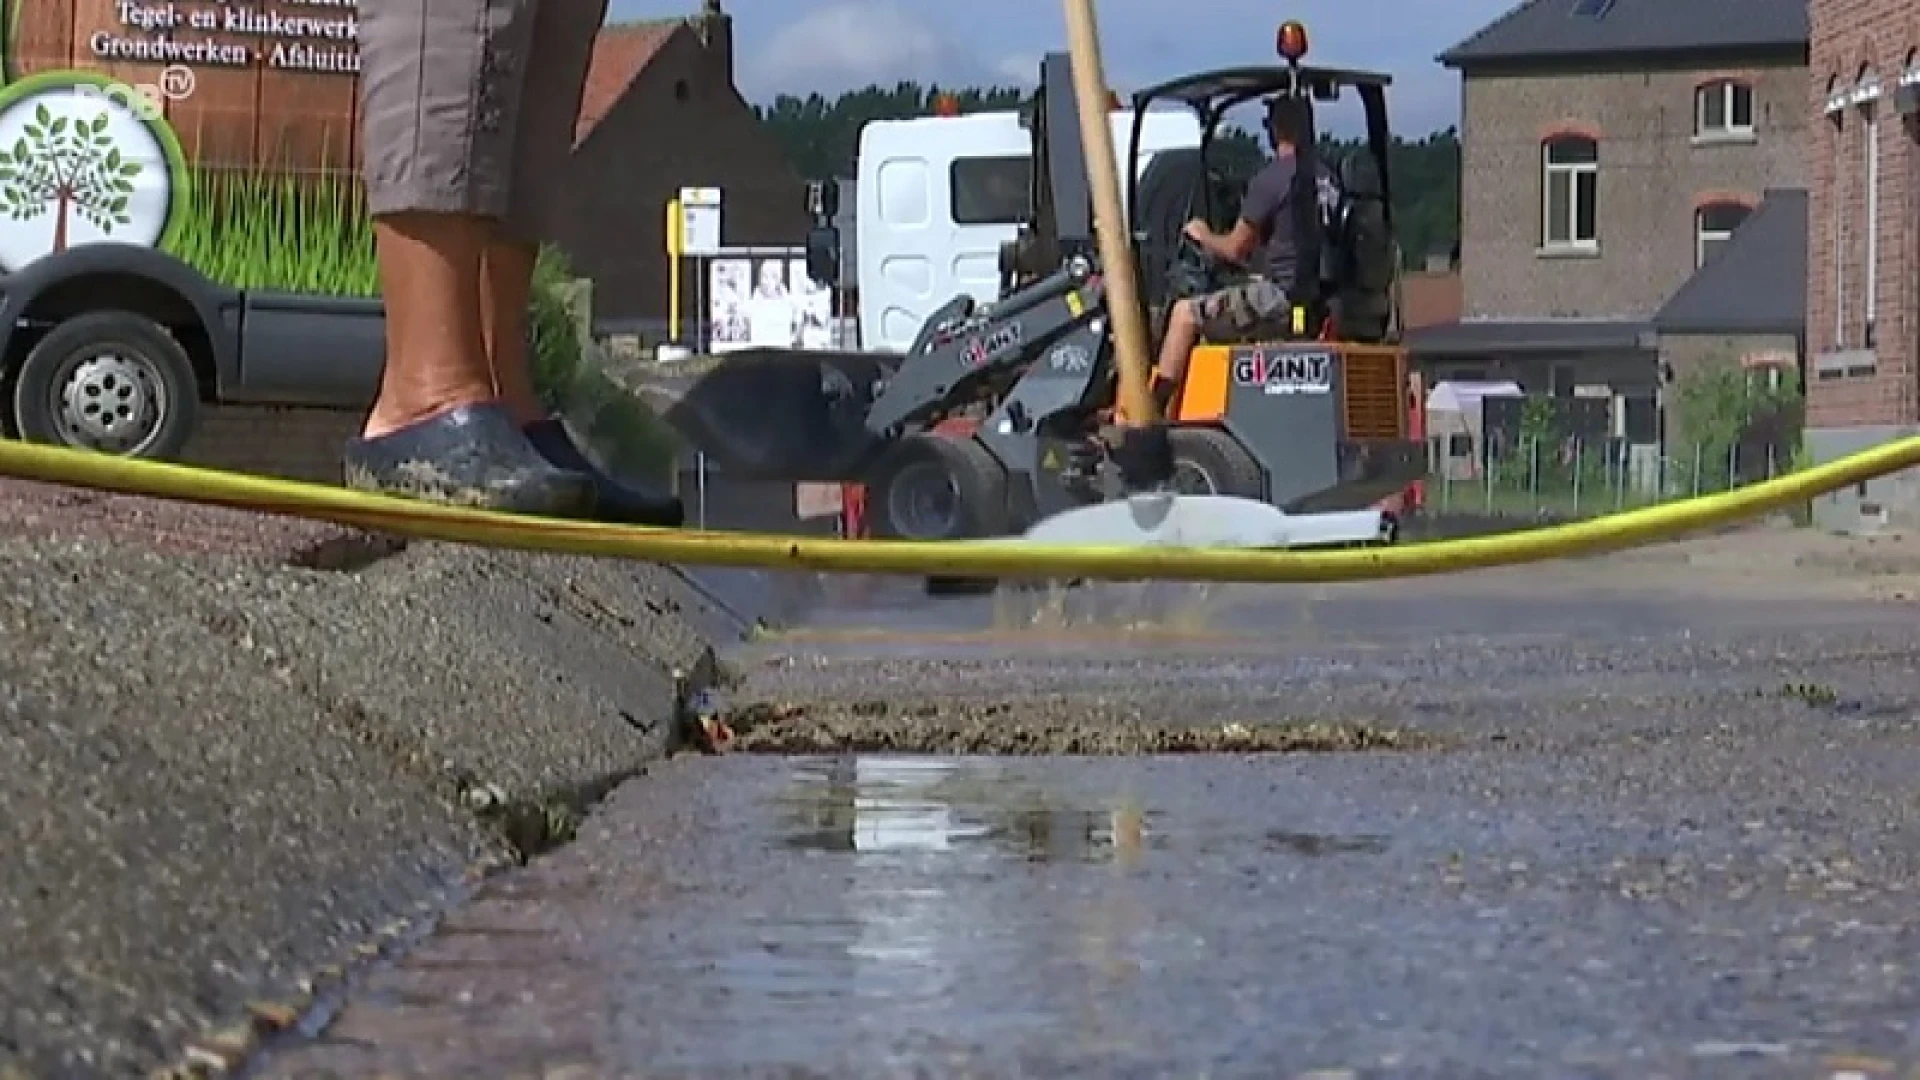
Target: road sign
[(700, 221)]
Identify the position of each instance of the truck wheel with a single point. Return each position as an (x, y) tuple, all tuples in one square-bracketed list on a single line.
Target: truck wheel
[(936, 487), (1208, 461), (110, 381)]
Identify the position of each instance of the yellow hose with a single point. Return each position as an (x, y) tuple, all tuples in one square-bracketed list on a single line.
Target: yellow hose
[(1012, 558)]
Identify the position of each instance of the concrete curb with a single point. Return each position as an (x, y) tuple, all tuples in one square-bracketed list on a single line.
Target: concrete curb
[(223, 779)]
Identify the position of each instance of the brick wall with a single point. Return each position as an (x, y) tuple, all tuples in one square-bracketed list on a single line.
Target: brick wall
[(1653, 175), (299, 444), (681, 124), (1879, 36), (1687, 354)]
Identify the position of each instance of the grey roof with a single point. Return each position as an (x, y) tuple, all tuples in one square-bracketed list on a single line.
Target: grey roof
[(1481, 337), (1591, 29), (1758, 282)]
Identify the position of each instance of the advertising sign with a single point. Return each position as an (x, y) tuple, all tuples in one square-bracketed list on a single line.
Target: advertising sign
[(201, 127), (766, 302)]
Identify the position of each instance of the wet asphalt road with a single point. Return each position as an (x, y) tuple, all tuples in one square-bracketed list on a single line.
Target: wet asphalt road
[(1647, 820)]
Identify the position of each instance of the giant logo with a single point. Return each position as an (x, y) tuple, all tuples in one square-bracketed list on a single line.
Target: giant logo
[(993, 344), (1276, 371)]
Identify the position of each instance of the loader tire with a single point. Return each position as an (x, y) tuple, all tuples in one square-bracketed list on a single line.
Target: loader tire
[(1209, 461), (937, 487), (925, 470)]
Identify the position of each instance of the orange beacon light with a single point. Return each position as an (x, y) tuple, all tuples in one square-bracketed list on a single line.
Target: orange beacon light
[(1291, 41)]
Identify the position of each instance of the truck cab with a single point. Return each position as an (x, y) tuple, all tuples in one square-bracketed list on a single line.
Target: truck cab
[(937, 197)]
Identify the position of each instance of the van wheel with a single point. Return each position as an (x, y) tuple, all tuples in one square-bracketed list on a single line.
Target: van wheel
[(110, 381)]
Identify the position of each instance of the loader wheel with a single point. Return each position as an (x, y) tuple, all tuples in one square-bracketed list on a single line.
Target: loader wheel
[(1208, 461), (935, 487)]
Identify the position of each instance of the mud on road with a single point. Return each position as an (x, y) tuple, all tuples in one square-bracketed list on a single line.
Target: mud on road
[(1647, 816)]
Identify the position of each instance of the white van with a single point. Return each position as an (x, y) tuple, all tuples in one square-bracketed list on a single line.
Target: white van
[(936, 196)]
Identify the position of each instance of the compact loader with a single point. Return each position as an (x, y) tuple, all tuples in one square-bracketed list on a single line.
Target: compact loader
[(1000, 416)]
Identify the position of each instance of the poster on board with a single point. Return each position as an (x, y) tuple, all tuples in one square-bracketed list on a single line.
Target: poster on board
[(813, 308), (727, 286), (766, 302)]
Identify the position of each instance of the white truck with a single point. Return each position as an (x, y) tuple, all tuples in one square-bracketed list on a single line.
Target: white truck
[(935, 197)]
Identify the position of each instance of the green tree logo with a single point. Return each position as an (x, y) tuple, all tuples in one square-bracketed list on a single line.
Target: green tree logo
[(67, 166)]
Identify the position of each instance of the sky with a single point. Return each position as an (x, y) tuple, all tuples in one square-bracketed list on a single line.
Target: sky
[(798, 46)]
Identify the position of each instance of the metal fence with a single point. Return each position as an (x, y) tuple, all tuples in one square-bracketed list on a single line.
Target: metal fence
[(1576, 479)]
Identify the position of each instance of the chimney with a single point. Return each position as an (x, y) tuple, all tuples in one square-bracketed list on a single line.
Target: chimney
[(716, 33)]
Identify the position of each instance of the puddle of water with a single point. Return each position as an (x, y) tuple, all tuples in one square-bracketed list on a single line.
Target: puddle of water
[(976, 808), (858, 915), (881, 805)]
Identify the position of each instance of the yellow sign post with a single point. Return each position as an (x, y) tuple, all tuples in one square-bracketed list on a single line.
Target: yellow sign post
[(676, 248)]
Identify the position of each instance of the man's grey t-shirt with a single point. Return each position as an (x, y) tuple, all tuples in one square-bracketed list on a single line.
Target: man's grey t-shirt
[(1268, 207)]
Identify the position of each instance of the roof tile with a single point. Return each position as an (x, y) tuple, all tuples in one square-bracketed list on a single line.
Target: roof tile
[(620, 53), (1563, 29), (1758, 282)]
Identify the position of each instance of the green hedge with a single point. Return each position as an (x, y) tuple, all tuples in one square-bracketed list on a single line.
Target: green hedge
[(626, 435)]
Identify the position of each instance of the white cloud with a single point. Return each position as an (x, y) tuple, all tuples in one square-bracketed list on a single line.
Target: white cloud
[(858, 43), (1018, 69)]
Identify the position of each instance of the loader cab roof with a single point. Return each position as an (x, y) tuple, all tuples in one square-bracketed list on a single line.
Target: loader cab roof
[(1217, 91)]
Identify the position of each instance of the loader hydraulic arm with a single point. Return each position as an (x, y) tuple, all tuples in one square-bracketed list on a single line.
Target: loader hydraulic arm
[(1002, 339)]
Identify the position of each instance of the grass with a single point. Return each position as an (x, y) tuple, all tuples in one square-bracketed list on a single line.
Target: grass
[(1473, 498), (312, 235), (275, 232)]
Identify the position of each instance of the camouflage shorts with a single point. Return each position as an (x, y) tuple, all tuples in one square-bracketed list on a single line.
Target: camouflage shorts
[(1249, 311)]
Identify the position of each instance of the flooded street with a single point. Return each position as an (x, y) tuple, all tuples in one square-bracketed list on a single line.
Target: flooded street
[(1612, 822)]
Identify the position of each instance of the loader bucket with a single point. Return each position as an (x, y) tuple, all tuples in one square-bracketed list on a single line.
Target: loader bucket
[(781, 415)]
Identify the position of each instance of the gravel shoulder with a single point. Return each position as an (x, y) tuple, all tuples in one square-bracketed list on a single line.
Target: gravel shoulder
[(242, 752)]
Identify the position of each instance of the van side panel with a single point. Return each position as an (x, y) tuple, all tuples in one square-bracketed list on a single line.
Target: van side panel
[(913, 255)]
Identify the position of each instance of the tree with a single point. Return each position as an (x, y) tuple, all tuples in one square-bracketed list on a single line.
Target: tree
[(70, 167)]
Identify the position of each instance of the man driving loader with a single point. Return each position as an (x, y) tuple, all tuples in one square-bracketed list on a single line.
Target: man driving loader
[(1262, 241)]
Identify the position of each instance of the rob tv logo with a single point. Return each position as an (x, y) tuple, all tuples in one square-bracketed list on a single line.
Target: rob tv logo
[(147, 100)]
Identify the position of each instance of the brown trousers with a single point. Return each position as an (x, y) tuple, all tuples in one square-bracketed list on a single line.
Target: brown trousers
[(469, 106)]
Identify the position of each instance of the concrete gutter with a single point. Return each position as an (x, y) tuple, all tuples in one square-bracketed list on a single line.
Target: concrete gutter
[(225, 775)]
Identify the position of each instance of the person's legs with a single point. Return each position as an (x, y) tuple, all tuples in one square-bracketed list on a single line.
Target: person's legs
[(430, 266), (440, 84), (562, 38), (1246, 311), (506, 299), (1176, 347)]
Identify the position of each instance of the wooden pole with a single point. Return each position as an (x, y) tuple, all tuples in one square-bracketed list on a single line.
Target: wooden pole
[(1109, 217)]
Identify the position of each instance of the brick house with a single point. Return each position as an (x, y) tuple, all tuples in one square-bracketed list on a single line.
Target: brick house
[(1863, 273), (661, 112), (1612, 150)]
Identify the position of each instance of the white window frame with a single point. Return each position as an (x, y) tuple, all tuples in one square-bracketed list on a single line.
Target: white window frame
[(1870, 242), (1728, 91), (1569, 174), (1703, 235), (1838, 194)]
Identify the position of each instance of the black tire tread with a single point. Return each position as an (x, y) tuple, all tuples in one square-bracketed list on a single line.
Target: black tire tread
[(31, 383), (1235, 471)]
